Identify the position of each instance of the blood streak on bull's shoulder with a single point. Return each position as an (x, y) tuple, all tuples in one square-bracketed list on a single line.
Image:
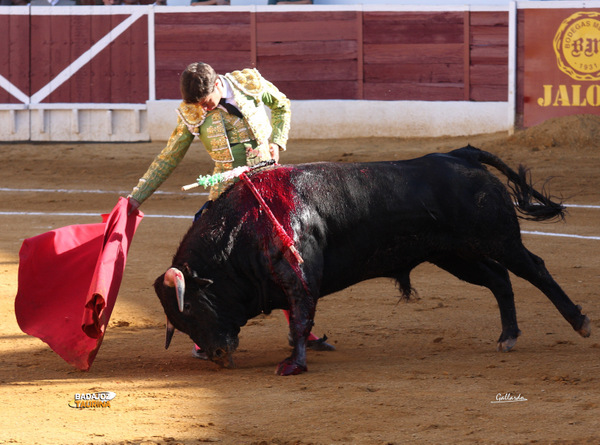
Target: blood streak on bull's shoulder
[(275, 188)]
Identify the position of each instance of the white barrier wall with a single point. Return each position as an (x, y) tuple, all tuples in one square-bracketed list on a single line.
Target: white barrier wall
[(321, 119), (324, 119), (355, 119), (14, 123), (75, 122)]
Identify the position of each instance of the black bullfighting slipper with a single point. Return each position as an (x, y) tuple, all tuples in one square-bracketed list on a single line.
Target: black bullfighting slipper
[(199, 353), (319, 344)]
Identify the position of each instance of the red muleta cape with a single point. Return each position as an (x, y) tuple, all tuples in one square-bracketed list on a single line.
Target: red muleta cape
[(69, 279)]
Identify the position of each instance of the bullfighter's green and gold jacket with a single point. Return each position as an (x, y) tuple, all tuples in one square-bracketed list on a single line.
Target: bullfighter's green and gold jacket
[(226, 137)]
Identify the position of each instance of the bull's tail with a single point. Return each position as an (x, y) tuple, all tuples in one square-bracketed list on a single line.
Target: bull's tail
[(530, 203)]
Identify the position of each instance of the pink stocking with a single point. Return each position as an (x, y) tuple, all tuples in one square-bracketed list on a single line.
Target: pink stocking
[(311, 337)]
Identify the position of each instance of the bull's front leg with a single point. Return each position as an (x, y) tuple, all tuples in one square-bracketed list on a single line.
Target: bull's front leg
[(301, 323), (300, 282)]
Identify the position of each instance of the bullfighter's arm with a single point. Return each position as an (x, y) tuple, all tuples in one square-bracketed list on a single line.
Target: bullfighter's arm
[(281, 113), (164, 163)]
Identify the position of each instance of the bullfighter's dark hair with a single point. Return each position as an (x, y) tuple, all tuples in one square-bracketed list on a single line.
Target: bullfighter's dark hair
[(197, 82)]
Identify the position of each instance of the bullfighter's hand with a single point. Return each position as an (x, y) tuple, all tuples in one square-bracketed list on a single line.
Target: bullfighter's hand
[(133, 205), (274, 150)]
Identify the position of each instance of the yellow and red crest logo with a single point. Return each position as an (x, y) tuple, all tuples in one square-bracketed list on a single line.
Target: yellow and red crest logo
[(577, 46)]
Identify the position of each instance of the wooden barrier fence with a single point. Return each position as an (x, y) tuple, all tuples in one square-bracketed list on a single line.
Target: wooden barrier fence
[(60, 64), (317, 54)]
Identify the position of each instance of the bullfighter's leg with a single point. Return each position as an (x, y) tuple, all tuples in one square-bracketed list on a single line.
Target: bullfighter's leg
[(530, 267), (495, 277)]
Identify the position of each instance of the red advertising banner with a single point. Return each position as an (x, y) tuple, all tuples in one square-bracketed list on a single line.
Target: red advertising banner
[(562, 63)]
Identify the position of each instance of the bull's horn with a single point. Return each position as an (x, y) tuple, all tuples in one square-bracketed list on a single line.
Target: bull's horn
[(174, 278), (170, 332)]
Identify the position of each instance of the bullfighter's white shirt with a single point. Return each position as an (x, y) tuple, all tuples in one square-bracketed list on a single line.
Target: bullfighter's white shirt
[(227, 93)]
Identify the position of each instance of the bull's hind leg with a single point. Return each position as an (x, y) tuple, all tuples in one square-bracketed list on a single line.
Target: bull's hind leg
[(530, 267), (495, 277)]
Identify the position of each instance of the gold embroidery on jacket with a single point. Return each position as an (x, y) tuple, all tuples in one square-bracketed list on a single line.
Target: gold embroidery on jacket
[(248, 81), (251, 92), (213, 135), (193, 115)]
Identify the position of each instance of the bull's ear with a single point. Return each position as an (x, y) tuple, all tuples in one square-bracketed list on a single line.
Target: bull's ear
[(203, 282)]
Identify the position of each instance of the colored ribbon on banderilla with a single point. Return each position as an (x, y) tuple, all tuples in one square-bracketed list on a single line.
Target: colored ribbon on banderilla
[(217, 178), (210, 180)]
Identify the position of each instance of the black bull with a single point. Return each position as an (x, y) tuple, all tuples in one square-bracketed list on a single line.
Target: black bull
[(353, 222)]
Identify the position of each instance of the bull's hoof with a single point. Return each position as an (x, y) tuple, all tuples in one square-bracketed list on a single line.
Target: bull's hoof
[(586, 329), (288, 367), (506, 345), (508, 339)]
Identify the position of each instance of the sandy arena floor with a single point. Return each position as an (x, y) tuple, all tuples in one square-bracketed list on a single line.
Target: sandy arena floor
[(419, 372)]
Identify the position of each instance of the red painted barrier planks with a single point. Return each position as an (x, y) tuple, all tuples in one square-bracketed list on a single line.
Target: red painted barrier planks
[(128, 55), (315, 50), (305, 26), (488, 56), (407, 91), (138, 65), (59, 53), (413, 27), (41, 44), (80, 88), (312, 54), (323, 89), (5, 96), (14, 56), (219, 39), (118, 73), (417, 73), (414, 55)]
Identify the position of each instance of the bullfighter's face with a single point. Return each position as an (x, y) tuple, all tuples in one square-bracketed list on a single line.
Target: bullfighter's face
[(192, 308), (211, 100)]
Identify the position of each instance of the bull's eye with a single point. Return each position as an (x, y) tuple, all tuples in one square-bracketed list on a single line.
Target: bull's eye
[(187, 306)]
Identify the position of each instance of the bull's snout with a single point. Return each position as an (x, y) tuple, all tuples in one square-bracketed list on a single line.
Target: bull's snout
[(223, 357), (220, 353)]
